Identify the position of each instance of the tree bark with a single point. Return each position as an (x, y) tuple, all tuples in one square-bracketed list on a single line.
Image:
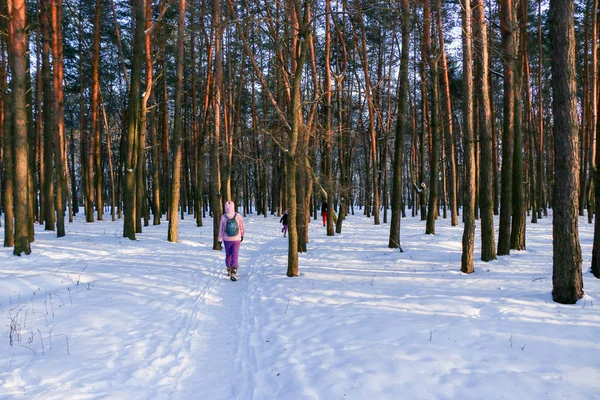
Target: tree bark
[(567, 278), (434, 162), (401, 117), (486, 195), (48, 187), (132, 129), (58, 110), (173, 234), (18, 19), (508, 58), (468, 239), (95, 154)]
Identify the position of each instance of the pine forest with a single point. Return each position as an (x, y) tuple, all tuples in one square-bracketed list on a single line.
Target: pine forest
[(150, 112)]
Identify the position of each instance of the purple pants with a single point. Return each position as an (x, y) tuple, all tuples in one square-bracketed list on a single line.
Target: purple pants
[(232, 248), (284, 229)]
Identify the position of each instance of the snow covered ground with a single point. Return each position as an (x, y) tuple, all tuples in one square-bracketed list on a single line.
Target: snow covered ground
[(93, 315)]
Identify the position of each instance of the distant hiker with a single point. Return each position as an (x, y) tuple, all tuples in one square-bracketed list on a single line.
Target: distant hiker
[(231, 231), (284, 221), (324, 213)]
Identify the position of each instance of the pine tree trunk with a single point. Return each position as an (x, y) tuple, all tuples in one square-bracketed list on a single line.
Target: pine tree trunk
[(8, 161), (48, 188), (517, 235), (435, 134), (540, 122), (58, 111), (173, 234), (94, 157), (468, 239), (18, 17), (567, 278), (424, 133), (3, 93), (486, 193), (394, 241), (197, 147), (328, 117), (132, 129), (39, 119), (507, 24), (293, 137), (594, 123), (216, 204)]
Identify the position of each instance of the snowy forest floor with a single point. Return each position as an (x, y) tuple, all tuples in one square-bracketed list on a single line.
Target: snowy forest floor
[(93, 315)]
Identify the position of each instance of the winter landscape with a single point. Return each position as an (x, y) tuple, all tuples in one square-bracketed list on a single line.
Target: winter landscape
[(96, 316)]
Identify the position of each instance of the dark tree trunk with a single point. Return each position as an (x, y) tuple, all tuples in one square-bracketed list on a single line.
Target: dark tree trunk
[(486, 192), (132, 129), (216, 199), (401, 116), (48, 187), (94, 156), (58, 110), (18, 20), (173, 234), (566, 269), (468, 239), (508, 50)]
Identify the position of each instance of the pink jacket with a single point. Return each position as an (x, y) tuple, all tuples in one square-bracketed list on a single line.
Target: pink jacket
[(229, 213)]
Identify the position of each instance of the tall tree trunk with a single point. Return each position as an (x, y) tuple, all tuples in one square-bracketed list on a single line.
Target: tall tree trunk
[(507, 27), (141, 157), (596, 247), (468, 239), (18, 19), (540, 123), (48, 188), (424, 133), (216, 203), (155, 160), (517, 234), (486, 193), (328, 117), (593, 110), (301, 52), (58, 110), (132, 130), (165, 152), (197, 148), (3, 97), (567, 278), (434, 162), (95, 165), (178, 127), (7, 147), (448, 126), (401, 116)]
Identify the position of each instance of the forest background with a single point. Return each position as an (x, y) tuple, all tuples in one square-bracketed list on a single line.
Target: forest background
[(146, 109)]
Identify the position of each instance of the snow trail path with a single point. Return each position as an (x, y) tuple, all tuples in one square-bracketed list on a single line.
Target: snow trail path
[(222, 324)]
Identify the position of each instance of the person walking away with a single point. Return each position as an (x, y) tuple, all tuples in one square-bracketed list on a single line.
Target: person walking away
[(324, 213), (231, 231), (284, 221)]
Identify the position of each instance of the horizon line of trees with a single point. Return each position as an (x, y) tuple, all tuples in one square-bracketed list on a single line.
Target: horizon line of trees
[(154, 108)]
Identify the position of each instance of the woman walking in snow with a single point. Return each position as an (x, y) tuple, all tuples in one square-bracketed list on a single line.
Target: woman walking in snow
[(231, 231), (284, 221)]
